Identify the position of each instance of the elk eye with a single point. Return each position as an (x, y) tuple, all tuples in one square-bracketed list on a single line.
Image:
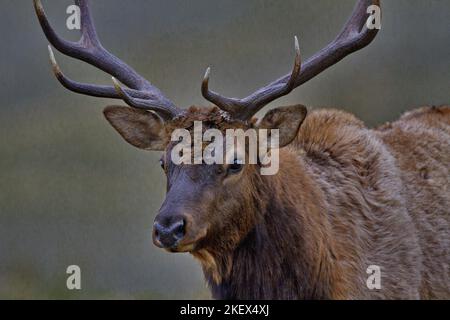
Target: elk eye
[(235, 167)]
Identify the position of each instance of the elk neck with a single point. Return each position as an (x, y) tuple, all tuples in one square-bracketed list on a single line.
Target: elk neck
[(285, 254)]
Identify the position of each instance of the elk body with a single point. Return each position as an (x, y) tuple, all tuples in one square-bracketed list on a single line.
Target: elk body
[(345, 198)]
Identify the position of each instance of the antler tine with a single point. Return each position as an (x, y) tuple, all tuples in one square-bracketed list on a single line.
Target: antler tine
[(163, 110), (230, 105), (263, 97), (100, 91), (240, 108), (354, 36), (90, 50), (89, 33)]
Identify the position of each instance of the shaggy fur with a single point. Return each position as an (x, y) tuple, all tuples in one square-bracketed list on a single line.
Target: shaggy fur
[(345, 198)]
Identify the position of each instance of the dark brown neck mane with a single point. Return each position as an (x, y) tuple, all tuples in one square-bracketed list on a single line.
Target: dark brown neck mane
[(284, 256), (338, 205)]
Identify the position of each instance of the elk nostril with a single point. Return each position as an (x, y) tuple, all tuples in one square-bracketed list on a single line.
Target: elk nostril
[(178, 229)]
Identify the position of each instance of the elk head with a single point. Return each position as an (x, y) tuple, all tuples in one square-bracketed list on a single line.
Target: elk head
[(204, 203)]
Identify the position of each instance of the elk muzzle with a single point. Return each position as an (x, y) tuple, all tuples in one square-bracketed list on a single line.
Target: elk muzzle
[(168, 231), (177, 232)]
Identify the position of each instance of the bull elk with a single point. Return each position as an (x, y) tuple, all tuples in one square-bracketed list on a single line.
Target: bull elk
[(346, 197)]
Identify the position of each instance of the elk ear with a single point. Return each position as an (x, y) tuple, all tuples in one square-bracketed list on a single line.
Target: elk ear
[(142, 129), (287, 119)]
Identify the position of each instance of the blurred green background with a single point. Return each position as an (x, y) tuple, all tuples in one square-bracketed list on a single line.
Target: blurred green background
[(72, 192)]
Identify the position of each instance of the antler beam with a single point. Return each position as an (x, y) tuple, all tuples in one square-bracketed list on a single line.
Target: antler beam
[(90, 50), (354, 36)]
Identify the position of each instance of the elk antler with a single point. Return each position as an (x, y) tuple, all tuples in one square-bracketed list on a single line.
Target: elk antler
[(354, 36), (140, 92)]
